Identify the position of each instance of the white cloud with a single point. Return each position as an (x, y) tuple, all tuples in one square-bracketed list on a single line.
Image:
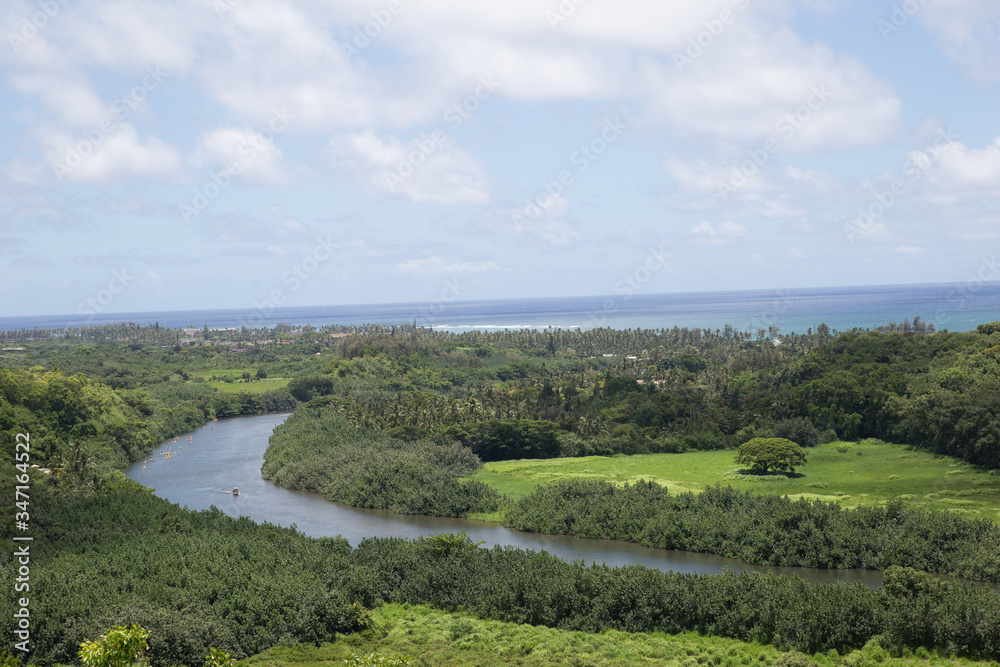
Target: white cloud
[(773, 190), (723, 233), (273, 54), (956, 170), (777, 206), (801, 97), (813, 181), (434, 265), (911, 250), (866, 229), (707, 177), (541, 220), (66, 94), (255, 155), (969, 34), (971, 221), (286, 221), (431, 168), (121, 34), (106, 158)]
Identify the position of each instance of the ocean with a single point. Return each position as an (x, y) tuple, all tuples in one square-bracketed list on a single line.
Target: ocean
[(956, 307)]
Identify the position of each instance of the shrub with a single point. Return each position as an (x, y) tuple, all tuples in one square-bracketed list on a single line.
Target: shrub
[(119, 647), (794, 659), (217, 658), (376, 660)]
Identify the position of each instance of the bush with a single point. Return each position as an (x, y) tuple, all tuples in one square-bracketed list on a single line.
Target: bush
[(794, 659), (376, 660), (307, 388), (119, 647), (217, 658)]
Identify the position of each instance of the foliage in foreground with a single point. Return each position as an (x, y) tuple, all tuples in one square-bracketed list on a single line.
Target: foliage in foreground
[(376, 660), (197, 580), (436, 638), (118, 647)]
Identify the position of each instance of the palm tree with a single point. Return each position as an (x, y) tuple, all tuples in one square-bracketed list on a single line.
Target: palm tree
[(75, 469)]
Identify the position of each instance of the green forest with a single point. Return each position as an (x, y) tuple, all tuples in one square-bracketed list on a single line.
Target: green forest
[(404, 419)]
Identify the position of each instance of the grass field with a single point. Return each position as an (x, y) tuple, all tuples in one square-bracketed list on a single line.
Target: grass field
[(851, 474), (441, 639), (252, 387)]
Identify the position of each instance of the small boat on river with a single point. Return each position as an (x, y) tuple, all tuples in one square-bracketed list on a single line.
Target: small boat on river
[(236, 491)]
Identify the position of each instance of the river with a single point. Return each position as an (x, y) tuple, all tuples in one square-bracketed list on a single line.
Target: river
[(200, 469)]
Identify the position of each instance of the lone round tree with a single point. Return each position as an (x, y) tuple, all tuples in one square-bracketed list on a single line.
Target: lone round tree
[(764, 454)]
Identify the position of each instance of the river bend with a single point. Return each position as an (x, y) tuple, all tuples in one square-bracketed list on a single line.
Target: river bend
[(200, 469)]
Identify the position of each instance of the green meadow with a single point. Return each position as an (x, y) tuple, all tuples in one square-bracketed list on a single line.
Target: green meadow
[(851, 474), (431, 637), (237, 385)]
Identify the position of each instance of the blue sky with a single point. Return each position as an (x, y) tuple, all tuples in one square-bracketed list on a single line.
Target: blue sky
[(229, 153)]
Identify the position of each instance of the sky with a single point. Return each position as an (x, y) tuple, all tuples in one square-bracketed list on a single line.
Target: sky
[(198, 154)]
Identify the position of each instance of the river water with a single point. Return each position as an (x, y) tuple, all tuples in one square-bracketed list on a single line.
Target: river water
[(200, 469)]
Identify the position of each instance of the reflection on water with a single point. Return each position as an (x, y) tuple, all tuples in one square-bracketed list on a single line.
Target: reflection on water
[(200, 469)]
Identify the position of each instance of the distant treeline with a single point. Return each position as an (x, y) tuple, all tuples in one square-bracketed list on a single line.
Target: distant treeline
[(682, 390)]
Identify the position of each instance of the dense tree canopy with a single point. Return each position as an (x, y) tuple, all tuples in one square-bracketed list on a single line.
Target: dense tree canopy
[(766, 454)]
